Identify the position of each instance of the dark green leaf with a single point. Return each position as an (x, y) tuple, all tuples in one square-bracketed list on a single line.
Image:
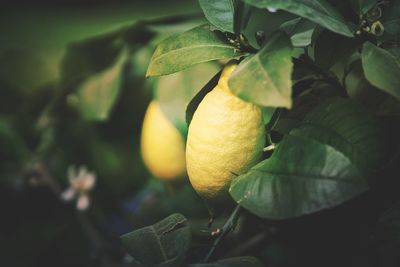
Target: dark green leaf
[(303, 104), (241, 16), (349, 128), (181, 51), (265, 23), (194, 103), (243, 261), (174, 92), (302, 176), (300, 31), (395, 51), (362, 6), (381, 69), (330, 48), (219, 13), (96, 96), (162, 244), (265, 78), (374, 100), (319, 11)]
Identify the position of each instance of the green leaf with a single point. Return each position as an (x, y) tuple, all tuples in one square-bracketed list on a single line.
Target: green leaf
[(265, 78), (195, 102), (162, 244), (362, 6), (174, 92), (181, 51), (303, 104), (395, 51), (96, 96), (381, 69), (267, 113), (330, 48), (243, 261), (349, 128), (219, 13), (318, 11), (300, 31), (302, 176)]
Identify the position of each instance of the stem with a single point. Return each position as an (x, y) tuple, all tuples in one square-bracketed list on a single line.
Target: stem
[(274, 119), (228, 227)]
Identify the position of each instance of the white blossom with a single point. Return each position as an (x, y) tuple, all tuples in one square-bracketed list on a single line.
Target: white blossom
[(81, 182)]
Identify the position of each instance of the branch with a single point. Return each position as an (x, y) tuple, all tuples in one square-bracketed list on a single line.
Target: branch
[(227, 228), (327, 76)]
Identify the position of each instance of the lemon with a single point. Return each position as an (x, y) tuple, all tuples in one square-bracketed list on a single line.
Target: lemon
[(225, 139), (163, 147)]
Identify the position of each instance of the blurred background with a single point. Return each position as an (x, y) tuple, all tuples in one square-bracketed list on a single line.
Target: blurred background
[(73, 93)]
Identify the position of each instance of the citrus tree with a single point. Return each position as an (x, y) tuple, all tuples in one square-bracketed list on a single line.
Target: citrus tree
[(300, 119)]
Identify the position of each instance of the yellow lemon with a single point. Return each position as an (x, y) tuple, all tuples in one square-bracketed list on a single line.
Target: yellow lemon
[(225, 139), (163, 147)]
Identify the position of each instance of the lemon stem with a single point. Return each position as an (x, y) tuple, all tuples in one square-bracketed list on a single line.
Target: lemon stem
[(229, 225)]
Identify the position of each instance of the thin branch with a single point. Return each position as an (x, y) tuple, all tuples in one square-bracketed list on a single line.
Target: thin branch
[(227, 228), (327, 77), (274, 119)]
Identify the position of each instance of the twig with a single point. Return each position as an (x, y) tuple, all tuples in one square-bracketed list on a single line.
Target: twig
[(327, 77), (274, 119), (228, 227)]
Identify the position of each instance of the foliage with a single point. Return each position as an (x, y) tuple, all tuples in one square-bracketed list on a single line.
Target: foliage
[(169, 240), (325, 193)]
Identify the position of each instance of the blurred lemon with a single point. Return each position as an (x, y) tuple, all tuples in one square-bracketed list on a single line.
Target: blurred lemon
[(225, 139), (163, 147)]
